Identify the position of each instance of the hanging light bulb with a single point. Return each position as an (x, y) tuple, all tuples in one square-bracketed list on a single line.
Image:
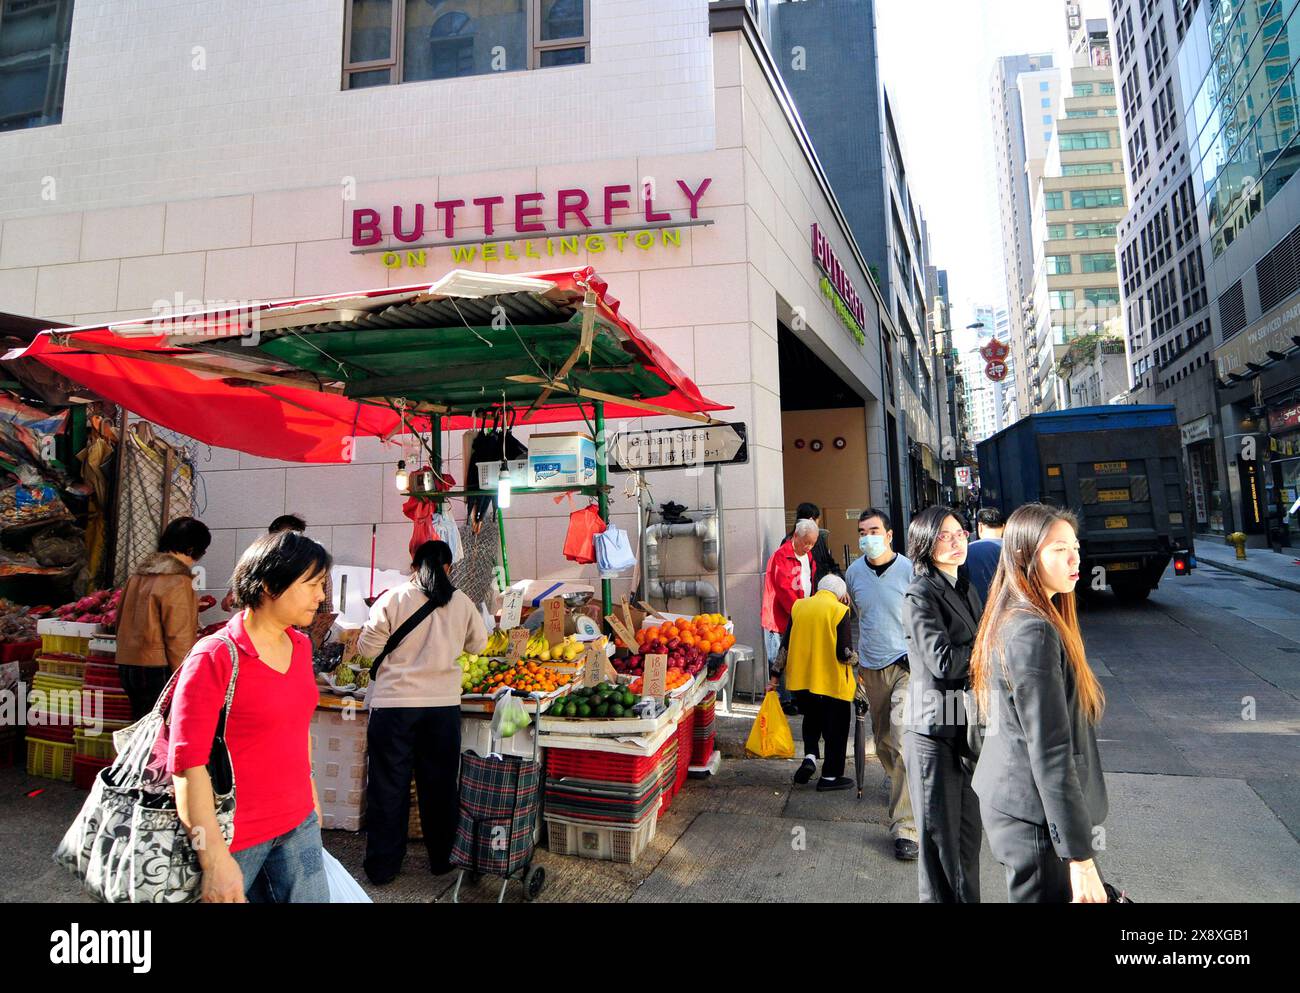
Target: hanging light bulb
[(503, 486), (403, 479)]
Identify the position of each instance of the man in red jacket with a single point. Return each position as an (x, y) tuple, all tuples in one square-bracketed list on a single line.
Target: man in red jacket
[(790, 576)]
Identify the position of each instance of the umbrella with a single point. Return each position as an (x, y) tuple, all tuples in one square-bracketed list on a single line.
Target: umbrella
[(859, 742)]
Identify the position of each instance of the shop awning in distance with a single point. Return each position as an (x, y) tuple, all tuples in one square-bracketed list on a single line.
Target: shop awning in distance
[(296, 379)]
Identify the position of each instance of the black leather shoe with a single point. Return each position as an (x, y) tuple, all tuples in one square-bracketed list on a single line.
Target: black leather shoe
[(906, 850), (790, 709), (827, 785), (805, 772)]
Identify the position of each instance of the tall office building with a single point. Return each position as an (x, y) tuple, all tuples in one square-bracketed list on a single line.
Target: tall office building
[(1078, 202), (1238, 68), (1024, 97), (827, 55), (1162, 270)]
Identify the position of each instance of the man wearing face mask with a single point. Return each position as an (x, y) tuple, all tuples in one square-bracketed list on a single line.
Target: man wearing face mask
[(877, 583)]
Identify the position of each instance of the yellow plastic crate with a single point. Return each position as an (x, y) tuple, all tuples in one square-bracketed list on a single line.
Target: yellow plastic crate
[(62, 644), (95, 746), (49, 759), (71, 668)]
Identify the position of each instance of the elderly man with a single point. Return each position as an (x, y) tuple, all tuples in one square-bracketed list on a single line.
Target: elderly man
[(789, 576)]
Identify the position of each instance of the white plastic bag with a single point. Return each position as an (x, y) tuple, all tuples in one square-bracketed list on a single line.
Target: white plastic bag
[(343, 888), (614, 555)]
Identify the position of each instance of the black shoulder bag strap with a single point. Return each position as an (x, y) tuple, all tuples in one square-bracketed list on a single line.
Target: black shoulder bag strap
[(398, 636)]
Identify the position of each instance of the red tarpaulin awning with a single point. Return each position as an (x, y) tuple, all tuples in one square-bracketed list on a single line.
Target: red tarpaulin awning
[(269, 400)]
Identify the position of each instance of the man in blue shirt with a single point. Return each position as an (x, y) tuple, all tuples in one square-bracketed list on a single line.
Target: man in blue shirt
[(982, 556), (877, 582)]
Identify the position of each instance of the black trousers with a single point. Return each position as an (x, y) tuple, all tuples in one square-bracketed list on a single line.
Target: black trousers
[(825, 719), (144, 685), (947, 819), (405, 740), (1035, 873)]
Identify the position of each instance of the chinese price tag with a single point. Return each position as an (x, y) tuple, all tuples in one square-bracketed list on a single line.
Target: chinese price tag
[(554, 624), (512, 605), (518, 642), (655, 682)]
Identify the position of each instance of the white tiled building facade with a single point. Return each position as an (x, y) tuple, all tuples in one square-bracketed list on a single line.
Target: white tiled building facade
[(204, 157)]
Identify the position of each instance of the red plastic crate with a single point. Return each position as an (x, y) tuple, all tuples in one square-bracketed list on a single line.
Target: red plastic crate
[(103, 675), (85, 770), (701, 750), (19, 651), (46, 731), (602, 766)]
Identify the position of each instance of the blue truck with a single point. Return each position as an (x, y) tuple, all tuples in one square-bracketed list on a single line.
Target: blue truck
[(1119, 469)]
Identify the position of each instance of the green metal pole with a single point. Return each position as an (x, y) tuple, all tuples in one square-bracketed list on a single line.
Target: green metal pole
[(505, 560), (602, 498)]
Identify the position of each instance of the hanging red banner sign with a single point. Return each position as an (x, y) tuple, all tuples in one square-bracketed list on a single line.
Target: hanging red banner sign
[(994, 351), (996, 371)]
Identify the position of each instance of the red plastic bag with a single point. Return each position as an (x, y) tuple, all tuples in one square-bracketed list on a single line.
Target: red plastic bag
[(579, 543), (421, 512)]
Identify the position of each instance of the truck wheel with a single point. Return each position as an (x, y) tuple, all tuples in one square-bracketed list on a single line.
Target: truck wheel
[(1127, 593)]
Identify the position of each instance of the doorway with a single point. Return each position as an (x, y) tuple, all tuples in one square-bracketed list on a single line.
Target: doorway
[(824, 444)]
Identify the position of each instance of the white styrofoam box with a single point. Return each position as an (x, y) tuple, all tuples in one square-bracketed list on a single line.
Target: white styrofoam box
[(489, 472), (561, 459), (338, 757), (69, 629), (476, 737)]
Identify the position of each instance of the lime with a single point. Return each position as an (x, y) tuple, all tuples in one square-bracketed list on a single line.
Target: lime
[(584, 710), (616, 710), (602, 710), (628, 698), (571, 709)]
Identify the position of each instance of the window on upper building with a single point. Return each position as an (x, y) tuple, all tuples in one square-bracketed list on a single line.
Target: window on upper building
[(1057, 265), (1099, 230), (1098, 262), (1060, 299), (33, 61), (1077, 141), (1086, 199), (1056, 231), (1043, 87), (404, 41), (1101, 297), (1088, 169), (1107, 89), (1047, 136), (1054, 200), (1047, 118), (1047, 101), (1083, 89)]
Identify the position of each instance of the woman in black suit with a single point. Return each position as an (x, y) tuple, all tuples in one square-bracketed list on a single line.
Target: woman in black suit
[(941, 614), (1040, 784)]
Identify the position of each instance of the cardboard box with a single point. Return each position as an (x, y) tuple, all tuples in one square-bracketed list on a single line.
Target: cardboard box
[(561, 459)]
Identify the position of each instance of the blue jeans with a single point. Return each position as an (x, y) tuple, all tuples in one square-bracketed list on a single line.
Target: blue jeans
[(287, 869)]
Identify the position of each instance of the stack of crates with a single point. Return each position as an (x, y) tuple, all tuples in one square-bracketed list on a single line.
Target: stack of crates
[(105, 709), (681, 771), (702, 739), (605, 805), (55, 701), (338, 757)]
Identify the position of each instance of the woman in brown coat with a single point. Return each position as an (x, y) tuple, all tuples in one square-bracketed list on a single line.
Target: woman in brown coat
[(159, 619)]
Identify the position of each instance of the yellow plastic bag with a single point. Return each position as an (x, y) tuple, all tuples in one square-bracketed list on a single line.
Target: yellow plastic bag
[(770, 736)]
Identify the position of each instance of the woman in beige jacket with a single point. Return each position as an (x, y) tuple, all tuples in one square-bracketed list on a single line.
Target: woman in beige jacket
[(414, 703), (158, 622)]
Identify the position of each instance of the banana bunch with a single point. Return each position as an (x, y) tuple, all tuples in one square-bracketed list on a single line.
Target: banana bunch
[(540, 649), (498, 642)]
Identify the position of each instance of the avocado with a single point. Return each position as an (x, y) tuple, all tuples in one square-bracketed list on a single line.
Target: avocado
[(602, 710), (616, 710)]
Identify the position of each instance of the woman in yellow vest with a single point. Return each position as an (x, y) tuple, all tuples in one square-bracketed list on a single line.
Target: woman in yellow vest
[(819, 671)]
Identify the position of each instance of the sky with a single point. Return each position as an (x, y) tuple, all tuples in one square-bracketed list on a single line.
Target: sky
[(936, 57)]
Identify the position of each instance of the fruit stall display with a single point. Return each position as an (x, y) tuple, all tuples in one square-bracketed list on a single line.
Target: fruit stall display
[(483, 675), (18, 638)]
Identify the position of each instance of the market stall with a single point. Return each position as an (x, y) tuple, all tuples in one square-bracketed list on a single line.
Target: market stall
[(301, 380)]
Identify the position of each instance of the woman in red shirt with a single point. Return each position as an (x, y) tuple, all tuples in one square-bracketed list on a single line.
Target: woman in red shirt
[(275, 855)]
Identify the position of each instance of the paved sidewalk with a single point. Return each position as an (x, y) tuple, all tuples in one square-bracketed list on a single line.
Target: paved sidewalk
[(1278, 569)]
